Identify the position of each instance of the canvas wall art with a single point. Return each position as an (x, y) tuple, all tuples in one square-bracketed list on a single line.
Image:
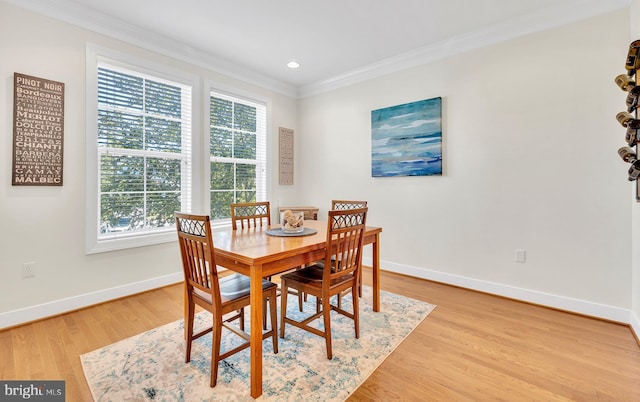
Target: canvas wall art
[(406, 140)]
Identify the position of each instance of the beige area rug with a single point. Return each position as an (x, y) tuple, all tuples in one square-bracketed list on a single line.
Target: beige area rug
[(150, 366)]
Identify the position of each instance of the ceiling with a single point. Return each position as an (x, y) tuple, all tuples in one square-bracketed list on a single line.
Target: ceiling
[(333, 40)]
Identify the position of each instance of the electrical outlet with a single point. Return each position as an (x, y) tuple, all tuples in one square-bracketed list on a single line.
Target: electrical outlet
[(521, 255), (28, 270)]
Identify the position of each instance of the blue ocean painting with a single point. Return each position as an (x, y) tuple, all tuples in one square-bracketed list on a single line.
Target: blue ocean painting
[(406, 140)]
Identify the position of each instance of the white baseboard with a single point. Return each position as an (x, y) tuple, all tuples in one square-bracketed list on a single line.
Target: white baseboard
[(617, 314), (635, 325), (44, 310), (611, 313)]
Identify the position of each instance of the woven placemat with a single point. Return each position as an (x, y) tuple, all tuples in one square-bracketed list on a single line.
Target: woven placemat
[(281, 233)]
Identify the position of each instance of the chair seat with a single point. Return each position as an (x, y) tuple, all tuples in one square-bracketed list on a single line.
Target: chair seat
[(233, 287), (320, 264), (312, 276)]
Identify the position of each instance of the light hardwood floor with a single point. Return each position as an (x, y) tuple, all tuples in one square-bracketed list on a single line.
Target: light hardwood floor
[(473, 346)]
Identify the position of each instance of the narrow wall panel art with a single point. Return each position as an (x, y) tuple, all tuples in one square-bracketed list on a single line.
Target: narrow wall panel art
[(406, 140)]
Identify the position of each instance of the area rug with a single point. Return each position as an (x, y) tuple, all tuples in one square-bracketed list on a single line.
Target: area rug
[(150, 366)]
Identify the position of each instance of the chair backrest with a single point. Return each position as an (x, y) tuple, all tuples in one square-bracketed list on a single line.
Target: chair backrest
[(345, 204), (198, 258), (345, 236), (250, 214)]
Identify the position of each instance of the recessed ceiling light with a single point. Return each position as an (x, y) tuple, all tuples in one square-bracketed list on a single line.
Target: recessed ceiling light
[(293, 64)]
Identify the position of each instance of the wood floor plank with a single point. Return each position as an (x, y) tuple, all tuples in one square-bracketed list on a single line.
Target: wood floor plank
[(500, 348), (7, 362), (473, 346)]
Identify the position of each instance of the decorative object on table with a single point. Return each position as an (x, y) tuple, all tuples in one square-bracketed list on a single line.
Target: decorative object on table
[(38, 131), (226, 296), (406, 140), (151, 363), (292, 222), (629, 118)]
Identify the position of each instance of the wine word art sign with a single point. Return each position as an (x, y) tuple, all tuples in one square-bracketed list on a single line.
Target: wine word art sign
[(38, 131)]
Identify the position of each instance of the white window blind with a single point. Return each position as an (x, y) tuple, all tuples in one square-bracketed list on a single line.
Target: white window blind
[(144, 152), (238, 136)]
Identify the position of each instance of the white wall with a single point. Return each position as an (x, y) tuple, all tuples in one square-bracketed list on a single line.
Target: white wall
[(46, 224), (530, 162)]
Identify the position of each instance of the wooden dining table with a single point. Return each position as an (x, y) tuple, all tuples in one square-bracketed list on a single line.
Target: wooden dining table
[(254, 253)]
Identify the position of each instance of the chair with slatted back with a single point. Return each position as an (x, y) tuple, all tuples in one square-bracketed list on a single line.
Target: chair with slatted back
[(345, 236), (224, 297), (342, 205), (250, 214), (346, 204)]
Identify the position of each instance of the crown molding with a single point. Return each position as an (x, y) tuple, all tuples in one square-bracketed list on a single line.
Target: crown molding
[(551, 17), (541, 20), (75, 14)]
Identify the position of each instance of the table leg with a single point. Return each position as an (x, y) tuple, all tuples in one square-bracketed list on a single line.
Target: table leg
[(256, 331), (376, 273)]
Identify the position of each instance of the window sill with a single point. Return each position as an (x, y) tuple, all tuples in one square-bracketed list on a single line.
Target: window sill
[(101, 246)]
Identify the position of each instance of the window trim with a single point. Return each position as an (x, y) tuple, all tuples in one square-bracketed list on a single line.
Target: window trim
[(212, 86), (95, 54)]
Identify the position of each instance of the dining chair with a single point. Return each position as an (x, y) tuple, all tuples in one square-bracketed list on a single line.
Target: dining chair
[(224, 297), (250, 214), (345, 235), (342, 205), (347, 204)]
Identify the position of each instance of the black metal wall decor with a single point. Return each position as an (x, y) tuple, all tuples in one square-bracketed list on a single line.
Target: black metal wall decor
[(629, 118)]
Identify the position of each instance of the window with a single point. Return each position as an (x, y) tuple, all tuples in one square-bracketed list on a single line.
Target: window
[(149, 150), (237, 153), (144, 137), (140, 139)]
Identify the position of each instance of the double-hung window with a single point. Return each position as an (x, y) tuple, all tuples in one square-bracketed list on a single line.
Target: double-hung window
[(147, 153), (237, 132), (143, 156)]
